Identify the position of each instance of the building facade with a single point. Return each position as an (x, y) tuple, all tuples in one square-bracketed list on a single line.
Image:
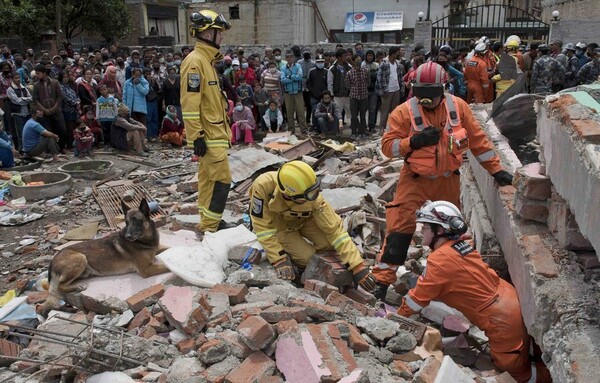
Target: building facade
[(166, 16)]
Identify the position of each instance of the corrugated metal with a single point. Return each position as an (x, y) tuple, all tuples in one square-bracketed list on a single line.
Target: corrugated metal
[(244, 163)]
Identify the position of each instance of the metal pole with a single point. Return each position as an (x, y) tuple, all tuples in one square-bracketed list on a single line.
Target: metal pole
[(428, 9), (58, 27)]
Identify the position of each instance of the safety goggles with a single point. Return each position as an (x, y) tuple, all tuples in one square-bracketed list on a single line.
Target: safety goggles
[(310, 194), (432, 215), (221, 22)]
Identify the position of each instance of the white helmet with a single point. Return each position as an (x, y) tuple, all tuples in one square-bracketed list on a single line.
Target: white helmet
[(513, 37), (581, 45), (445, 214), (480, 48)]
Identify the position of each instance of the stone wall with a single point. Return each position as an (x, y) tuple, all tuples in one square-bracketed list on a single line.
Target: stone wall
[(572, 31), (572, 10)]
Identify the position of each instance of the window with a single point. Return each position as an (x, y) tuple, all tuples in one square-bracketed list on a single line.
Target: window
[(234, 12)]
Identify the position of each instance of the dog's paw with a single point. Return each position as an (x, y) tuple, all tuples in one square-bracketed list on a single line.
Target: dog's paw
[(81, 287)]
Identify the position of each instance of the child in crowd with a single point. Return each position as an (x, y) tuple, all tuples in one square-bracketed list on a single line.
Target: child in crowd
[(272, 118), (261, 102), (245, 93), (106, 111), (89, 118), (172, 131), (83, 140), (243, 121)]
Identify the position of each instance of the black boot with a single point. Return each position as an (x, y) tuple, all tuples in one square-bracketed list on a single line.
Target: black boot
[(380, 291)]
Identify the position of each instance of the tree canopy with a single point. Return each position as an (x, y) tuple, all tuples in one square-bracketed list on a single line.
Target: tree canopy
[(28, 18)]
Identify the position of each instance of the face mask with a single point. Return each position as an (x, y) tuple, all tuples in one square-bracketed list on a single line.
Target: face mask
[(320, 65), (239, 108), (272, 70), (161, 60), (278, 58), (306, 56), (177, 62), (245, 65)]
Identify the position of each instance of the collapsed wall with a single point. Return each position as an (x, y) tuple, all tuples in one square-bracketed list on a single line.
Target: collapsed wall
[(550, 261)]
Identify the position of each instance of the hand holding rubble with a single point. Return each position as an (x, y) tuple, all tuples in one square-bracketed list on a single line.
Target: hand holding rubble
[(363, 278), (285, 269)]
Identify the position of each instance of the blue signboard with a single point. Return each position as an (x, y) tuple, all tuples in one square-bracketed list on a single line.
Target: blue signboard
[(373, 21)]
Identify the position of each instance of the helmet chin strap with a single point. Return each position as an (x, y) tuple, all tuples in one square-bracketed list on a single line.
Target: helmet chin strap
[(212, 42), (426, 101)]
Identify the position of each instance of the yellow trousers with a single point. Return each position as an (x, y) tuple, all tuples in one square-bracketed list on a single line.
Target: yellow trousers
[(214, 181)]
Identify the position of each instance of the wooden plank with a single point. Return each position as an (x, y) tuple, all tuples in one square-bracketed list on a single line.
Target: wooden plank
[(299, 150), (109, 199), (373, 166)]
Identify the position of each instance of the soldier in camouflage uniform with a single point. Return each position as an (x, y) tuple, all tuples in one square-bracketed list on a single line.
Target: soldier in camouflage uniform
[(547, 74), (572, 66), (590, 71)]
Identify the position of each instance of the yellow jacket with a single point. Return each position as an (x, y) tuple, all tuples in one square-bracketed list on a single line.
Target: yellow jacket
[(203, 104), (272, 214)]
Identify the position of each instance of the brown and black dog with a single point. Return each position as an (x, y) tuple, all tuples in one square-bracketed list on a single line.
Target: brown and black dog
[(130, 249)]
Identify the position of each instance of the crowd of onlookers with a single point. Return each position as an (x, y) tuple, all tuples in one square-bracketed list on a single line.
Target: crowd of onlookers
[(86, 99)]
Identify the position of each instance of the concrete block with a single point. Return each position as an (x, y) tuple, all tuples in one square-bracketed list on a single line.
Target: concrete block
[(531, 209), (437, 311), (254, 368), (531, 183), (186, 308), (218, 371), (256, 333), (237, 346), (213, 351), (451, 372), (456, 323), (188, 222), (105, 294), (328, 268), (379, 329)]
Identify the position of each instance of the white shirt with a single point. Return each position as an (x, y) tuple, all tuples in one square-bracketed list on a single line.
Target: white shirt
[(393, 85)]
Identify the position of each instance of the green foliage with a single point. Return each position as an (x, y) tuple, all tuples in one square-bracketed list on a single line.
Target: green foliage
[(27, 18)]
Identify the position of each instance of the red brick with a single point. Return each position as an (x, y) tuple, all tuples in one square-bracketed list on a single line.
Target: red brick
[(334, 331), (540, 256), (327, 267), (237, 346), (346, 304), (237, 293), (428, 372), (326, 349), (256, 333), (35, 297), (356, 341), (146, 297), (220, 319), (316, 311), (254, 367), (185, 346), (277, 314), (240, 309), (158, 325), (8, 349), (531, 183), (271, 379), (140, 319), (344, 351), (531, 209), (402, 368), (587, 129), (361, 296), (213, 351), (319, 287), (286, 326), (148, 332)]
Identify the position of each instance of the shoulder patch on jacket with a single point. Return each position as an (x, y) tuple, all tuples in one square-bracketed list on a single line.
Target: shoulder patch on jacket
[(463, 248), (193, 82), (472, 63), (257, 207)]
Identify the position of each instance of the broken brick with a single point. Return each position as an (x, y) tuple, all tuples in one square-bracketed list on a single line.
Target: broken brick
[(238, 348), (213, 351), (531, 209), (328, 268), (277, 314), (319, 287), (186, 308), (539, 256), (346, 304), (253, 368), (361, 296), (316, 311), (428, 372), (531, 183), (286, 326), (256, 333), (237, 293), (356, 341), (148, 332), (186, 346), (8, 350), (146, 297), (140, 319)]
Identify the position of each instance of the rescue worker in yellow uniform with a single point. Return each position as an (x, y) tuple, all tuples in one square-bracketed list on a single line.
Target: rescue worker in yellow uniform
[(431, 131), (204, 111), (512, 48), (457, 276), (287, 211)]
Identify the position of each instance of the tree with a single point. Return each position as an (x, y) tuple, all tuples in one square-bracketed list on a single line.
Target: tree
[(25, 18)]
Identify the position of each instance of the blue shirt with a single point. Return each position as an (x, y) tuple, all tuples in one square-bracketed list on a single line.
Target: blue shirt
[(32, 130)]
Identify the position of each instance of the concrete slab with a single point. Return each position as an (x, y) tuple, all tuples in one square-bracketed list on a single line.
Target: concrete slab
[(178, 238), (344, 197), (451, 372)]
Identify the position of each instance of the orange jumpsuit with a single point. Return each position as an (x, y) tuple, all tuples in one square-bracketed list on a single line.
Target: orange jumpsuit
[(477, 79), (492, 63), (457, 276), (413, 190)]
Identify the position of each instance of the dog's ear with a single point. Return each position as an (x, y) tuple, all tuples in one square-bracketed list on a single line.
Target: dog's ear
[(124, 207), (144, 208)]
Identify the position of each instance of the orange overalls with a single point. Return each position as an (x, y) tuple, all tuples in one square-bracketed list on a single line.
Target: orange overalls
[(457, 276), (492, 63), (416, 185), (477, 79)]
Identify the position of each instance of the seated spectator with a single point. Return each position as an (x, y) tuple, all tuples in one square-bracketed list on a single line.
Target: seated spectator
[(245, 93), (83, 140), (172, 131), (328, 116), (243, 123), (89, 119), (272, 118), (261, 101), (128, 134), (7, 149), (39, 141)]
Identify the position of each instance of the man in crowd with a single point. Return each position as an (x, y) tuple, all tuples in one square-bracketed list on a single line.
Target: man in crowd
[(306, 63), (47, 99), (336, 83), (316, 81), (390, 86), (590, 72), (39, 141), (291, 79), (547, 74)]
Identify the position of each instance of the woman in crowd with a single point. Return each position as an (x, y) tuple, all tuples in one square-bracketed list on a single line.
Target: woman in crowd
[(271, 82), (70, 104), (172, 131), (243, 123), (87, 89)]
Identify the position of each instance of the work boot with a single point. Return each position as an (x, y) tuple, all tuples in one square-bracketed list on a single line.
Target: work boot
[(225, 225), (380, 291)]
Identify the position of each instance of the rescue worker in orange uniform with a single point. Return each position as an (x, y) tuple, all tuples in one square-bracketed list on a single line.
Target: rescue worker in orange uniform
[(292, 221), (476, 76), (204, 112), (491, 62), (431, 131), (457, 276)]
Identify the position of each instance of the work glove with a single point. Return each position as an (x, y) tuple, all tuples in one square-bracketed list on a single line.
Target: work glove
[(363, 278), (285, 269), (428, 137), (200, 147), (503, 178)]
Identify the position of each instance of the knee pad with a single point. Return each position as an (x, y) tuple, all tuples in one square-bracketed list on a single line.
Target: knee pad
[(396, 248), (219, 197)]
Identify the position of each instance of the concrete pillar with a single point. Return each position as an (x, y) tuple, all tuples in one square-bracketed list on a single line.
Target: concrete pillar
[(423, 33), (555, 32)]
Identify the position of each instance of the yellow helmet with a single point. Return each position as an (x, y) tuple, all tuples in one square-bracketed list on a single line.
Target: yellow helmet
[(206, 19), (512, 44), (298, 180)]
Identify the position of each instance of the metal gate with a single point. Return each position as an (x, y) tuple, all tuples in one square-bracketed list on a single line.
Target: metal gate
[(496, 21)]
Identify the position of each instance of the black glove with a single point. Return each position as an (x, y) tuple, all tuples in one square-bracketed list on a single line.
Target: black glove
[(285, 269), (428, 137), (503, 178), (364, 279), (200, 147)]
